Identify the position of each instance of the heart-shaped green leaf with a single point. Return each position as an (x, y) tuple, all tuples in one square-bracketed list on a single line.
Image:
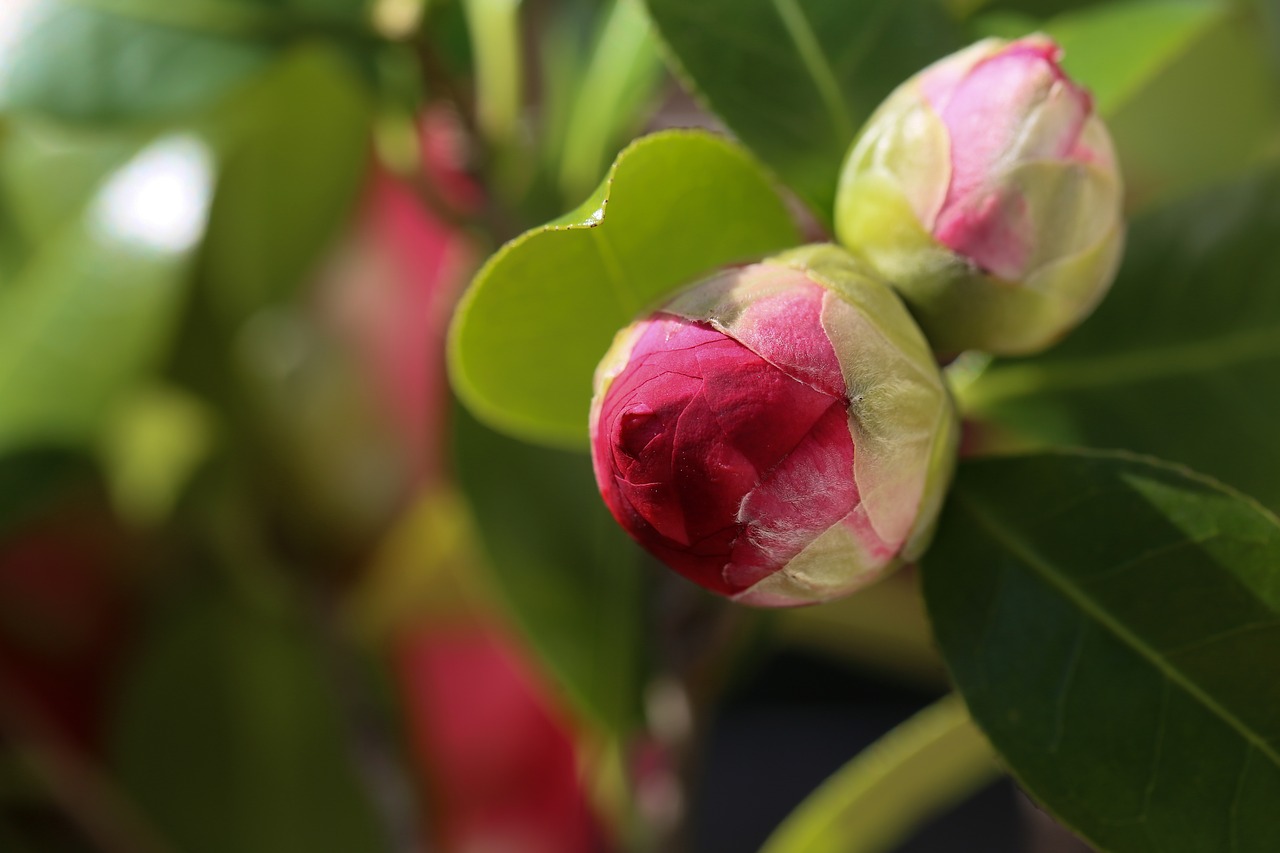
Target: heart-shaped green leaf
[(542, 311), (795, 79), (1114, 625), (1182, 359)]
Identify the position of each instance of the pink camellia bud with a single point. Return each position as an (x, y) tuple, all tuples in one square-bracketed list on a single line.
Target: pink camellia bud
[(986, 190), (779, 433)]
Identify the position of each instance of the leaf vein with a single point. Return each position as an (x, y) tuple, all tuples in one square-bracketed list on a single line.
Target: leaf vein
[(817, 65), (1049, 573)]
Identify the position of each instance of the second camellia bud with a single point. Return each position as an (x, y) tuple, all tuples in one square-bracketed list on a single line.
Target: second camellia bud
[(985, 189), (779, 433)]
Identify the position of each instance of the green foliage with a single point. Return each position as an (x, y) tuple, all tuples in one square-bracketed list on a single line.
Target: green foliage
[(794, 79), (294, 152), (922, 766), (108, 60), (1181, 359), (230, 735), (571, 577), (541, 313), (95, 303), (1114, 626)]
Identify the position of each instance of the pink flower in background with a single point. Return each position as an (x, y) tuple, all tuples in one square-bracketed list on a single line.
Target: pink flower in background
[(498, 756)]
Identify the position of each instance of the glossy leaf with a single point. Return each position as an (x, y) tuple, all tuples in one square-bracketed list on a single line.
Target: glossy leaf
[(94, 60), (94, 307), (873, 803), (795, 79), (294, 150), (1181, 360), (572, 578), (542, 311), (228, 734), (1114, 625)]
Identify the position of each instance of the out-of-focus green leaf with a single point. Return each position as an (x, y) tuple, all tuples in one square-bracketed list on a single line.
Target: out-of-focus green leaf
[(1114, 625), (621, 76), (795, 79), (494, 26), (152, 445), (1181, 360), (124, 59), (293, 151), (1185, 86), (93, 308), (541, 313), (571, 576), (49, 170), (870, 805), (29, 481), (228, 735)]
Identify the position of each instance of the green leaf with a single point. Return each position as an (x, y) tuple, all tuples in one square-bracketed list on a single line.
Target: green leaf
[(1114, 625), (31, 481), (572, 578), (293, 151), (795, 79), (542, 311), (98, 60), (873, 803), (94, 307), (1181, 360), (228, 734)]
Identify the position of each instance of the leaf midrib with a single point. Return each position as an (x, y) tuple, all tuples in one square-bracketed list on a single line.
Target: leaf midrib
[(1206, 356), (988, 520), (816, 64)]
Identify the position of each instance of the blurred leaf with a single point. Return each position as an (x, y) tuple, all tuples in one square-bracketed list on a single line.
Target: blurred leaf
[(622, 75), (294, 150), (49, 170), (93, 309), (155, 439), (882, 629), (494, 26), (1181, 360), (126, 59), (1114, 625), (229, 737), (571, 576), (874, 802), (795, 79), (29, 481), (542, 311)]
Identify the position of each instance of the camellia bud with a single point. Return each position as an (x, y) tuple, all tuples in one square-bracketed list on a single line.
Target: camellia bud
[(778, 433), (986, 190)]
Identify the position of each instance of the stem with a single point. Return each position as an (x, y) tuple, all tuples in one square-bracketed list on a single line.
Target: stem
[(693, 630), (82, 792), (927, 764), (624, 63), (495, 47), (371, 744)]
